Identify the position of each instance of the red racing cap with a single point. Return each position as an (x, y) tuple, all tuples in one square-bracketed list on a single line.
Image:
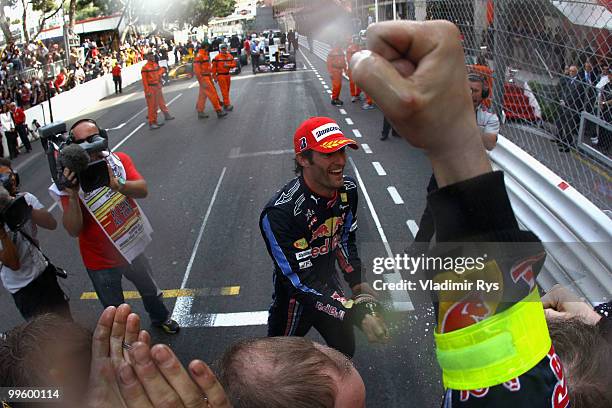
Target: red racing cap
[(321, 134)]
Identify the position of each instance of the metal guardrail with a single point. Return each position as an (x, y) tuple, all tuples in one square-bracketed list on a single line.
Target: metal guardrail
[(575, 233)]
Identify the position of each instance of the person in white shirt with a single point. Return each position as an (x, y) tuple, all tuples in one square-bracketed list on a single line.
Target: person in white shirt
[(25, 272), (487, 121), (79, 74), (7, 127)]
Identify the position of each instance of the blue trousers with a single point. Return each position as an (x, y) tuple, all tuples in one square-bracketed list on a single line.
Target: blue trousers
[(107, 283)]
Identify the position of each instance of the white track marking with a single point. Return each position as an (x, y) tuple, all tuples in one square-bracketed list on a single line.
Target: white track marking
[(401, 300), (356, 132), (379, 169), (366, 148), (397, 199), (413, 227)]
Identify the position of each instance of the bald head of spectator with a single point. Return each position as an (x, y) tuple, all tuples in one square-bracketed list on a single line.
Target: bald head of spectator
[(573, 71), (279, 372)]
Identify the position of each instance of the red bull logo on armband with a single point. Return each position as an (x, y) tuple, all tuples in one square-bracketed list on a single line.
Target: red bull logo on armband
[(469, 310)]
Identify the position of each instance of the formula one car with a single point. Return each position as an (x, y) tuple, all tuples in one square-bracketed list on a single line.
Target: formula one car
[(181, 71), (277, 59)]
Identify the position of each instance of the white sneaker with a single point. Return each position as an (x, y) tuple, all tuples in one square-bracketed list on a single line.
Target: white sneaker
[(353, 99), (367, 106)]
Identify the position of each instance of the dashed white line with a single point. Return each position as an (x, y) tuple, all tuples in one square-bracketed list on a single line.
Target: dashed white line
[(325, 86), (356, 132), (196, 83), (401, 300), (366, 148), (397, 199), (413, 227), (329, 91), (342, 111), (379, 169), (349, 121)]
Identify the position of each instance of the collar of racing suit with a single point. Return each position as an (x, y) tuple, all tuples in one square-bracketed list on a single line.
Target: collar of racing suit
[(316, 197)]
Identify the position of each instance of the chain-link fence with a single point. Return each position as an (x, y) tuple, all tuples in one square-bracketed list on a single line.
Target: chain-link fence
[(548, 64)]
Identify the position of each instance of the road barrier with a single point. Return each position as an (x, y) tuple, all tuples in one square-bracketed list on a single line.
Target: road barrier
[(576, 233)]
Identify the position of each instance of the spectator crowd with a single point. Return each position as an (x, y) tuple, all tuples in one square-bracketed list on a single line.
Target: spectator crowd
[(26, 70)]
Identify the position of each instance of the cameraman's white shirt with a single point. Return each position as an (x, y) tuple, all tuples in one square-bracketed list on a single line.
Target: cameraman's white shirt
[(32, 262)]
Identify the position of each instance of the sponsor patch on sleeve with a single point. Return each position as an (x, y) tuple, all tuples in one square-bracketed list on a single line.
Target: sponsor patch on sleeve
[(301, 243), (303, 254), (305, 264)]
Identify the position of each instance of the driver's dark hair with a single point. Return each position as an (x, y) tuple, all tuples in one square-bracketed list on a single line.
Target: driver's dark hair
[(308, 155)]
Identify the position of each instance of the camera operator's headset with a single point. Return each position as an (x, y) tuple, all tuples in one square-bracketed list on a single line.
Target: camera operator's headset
[(101, 132), (485, 87)]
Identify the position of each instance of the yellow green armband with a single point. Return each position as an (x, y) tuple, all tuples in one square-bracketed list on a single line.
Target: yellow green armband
[(495, 350)]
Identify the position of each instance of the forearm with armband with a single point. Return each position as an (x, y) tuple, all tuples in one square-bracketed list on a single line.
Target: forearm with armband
[(495, 350), (483, 340)]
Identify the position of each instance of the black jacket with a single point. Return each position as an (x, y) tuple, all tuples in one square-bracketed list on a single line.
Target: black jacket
[(572, 91), (472, 216), (306, 235), (589, 80)]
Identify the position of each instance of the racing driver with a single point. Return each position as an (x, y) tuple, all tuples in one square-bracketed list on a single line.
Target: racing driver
[(309, 227)]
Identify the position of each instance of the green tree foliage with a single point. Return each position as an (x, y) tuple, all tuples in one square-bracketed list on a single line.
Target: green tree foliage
[(48, 9), (204, 10), (198, 12)]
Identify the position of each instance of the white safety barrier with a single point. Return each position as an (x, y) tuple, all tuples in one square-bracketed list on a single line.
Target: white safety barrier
[(83, 96), (320, 49), (577, 235)]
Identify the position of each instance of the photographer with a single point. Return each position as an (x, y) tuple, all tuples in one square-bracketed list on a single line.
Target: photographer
[(112, 242), (25, 272)]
